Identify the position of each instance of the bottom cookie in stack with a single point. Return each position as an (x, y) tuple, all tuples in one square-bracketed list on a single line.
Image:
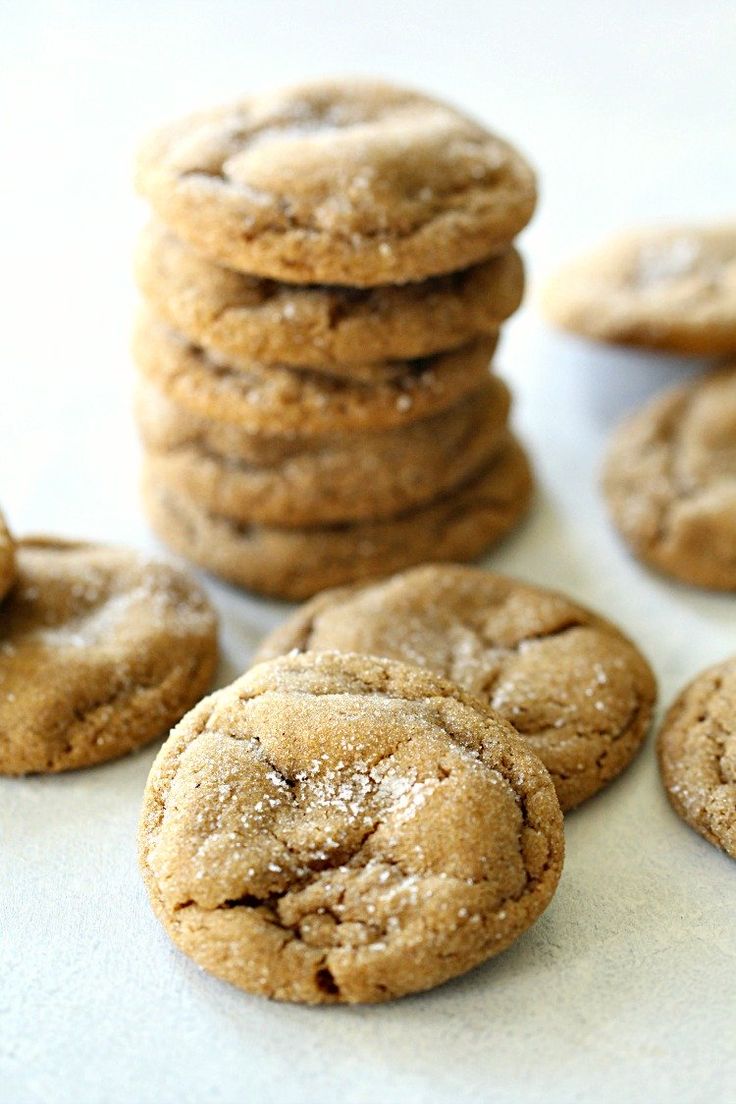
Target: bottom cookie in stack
[(297, 562)]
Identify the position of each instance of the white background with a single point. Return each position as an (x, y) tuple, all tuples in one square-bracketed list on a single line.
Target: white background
[(625, 989)]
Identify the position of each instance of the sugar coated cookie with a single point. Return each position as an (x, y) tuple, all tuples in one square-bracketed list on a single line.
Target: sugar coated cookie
[(279, 400), (697, 755), (670, 481), (244, 318), (358, 478), (101, 651), (672, 289), (339, 182), (575, 688), (296, 563), (345, 829)]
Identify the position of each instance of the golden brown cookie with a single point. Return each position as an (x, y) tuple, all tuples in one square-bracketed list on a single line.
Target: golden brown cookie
[(670, 481), (574, 687), (343, 829), (7, 559), (672, 289), (295, 563), (338, 182), (101, 651), (697, 755), (364, 477), (244, 318), (278, 400), (165, 426)]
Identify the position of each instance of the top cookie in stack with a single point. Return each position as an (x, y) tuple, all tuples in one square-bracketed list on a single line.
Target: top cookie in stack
[(325, 284)]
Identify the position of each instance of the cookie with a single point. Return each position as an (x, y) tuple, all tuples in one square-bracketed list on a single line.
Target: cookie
[(338, 182), (367, 476), (244, 318), (342, 829), (165, 426), (101, 651), (670, 481), (279, 400), (672, 289), (575, 688), (7, 559), (295, 563), (697, 755)]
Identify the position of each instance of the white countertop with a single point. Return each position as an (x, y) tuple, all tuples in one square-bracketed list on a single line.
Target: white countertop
[(625, 988)]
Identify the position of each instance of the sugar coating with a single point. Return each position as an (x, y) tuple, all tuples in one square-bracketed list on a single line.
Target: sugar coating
[(338, 828)]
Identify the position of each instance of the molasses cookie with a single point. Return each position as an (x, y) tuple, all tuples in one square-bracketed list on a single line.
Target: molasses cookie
[(342, 829), (361, 477), (338, 182), (101, 651), (279, 400), (697, 755), (670, 481), (574, 687), (348, 331), (670, 289), (295, 563)]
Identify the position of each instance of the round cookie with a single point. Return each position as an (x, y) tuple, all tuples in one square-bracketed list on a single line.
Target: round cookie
[(697, 755), (244, 318), (166, 426), (296, 563), (342, 829), (670, 481), (672, 289), (338, 182), (575, 688), (101, 651), (7, 559), (370, 476), (280, 400)]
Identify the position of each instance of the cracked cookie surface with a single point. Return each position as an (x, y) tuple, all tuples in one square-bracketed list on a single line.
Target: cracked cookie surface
[(670, 481), (697, 755), (669, 289), (279, 400), (101, 651), (7, 559), (359, 478), (575, 688), (296, 563), (340, 182), (344, 829), (348, 331)]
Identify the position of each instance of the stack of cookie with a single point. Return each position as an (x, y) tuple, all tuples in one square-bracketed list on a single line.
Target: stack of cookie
[(324, 294)]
